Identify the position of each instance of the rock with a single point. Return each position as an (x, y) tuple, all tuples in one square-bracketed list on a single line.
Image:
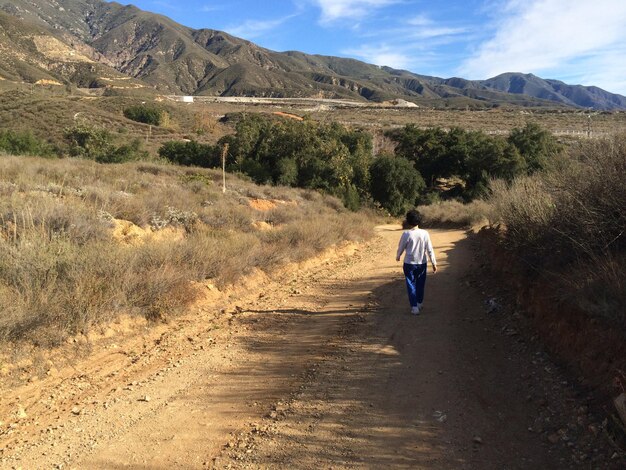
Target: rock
[(145, 398), (492, 305), (620, 405), (477, 440), (76, 411), (554, 438), (21, 413)]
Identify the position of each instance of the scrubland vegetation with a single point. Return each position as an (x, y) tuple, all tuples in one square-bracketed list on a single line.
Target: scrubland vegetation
[(340, 161), (566, 225), (68, 262), (559, 208)]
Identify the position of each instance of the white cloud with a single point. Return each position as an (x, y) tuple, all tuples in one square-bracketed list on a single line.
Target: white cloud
[(555, 36), (251, 29), (211, 8), (413, 44), (420, 20), (382, 55), (333, 10)]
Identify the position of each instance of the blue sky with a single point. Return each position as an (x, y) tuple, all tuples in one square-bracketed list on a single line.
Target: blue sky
[(576, 41)]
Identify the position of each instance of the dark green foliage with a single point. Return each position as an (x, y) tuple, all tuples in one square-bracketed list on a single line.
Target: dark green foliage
[(145, 114), (305, 154), (124, 153), (395, 183), (88, 142), (24, 143), (536, 145), (97, 144), (191, 153), (338, 161), (474, 156)]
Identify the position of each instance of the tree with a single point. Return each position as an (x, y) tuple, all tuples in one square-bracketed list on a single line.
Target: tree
[(306, 154), (395, 183), (145, 114), (536, 145), (191, 153), (88, 142), (97, 144)]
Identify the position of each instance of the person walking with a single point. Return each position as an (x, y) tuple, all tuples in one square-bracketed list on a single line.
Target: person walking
[(416, 245)]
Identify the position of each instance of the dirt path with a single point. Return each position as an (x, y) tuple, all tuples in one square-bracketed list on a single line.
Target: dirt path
[(323, 368)]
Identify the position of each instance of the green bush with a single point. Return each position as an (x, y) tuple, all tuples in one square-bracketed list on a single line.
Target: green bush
[(305, 154), (145, 114), (24, 143), (474, 156), (191, 153), (395, 183), (536, 145), (97, 144), (88, 142)]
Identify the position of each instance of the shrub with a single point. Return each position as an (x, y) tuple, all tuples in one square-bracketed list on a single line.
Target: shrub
[(88, 142), (395, 183), (570, 221), (145, 114), (474, 156), (455, 213), (61, 270), (191, 153), (304, 154), (97, 144), (536, 145), (24, 143)]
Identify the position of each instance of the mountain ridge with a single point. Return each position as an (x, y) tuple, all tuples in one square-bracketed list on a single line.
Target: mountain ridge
[(157, 52)]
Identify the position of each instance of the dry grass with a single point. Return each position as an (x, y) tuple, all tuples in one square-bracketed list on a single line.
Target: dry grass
[(455, 213), (62, 270), (47, 116), (569, 224)]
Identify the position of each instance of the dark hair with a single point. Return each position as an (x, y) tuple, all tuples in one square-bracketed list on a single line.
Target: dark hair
[(413, 218)]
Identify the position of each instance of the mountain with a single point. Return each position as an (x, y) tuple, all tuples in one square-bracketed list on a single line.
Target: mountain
[(557, 91), (158, 52), (32, 53)]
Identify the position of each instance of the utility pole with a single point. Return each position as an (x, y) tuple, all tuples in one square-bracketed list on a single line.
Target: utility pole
[(224, 153)]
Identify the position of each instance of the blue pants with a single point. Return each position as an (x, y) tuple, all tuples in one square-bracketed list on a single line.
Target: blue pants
[(415, 275)]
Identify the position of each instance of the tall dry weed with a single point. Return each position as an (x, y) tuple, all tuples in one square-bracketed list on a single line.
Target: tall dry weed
[(62, 271), (455, 213), (570, 223)]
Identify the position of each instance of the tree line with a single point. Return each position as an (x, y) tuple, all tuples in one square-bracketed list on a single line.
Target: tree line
[(426, 164), (340, 161)]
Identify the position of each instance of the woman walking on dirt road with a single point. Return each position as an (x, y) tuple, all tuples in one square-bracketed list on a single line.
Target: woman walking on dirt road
[(415, 243)]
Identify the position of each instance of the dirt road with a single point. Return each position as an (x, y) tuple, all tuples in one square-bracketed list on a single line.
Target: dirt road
[(321, 368)]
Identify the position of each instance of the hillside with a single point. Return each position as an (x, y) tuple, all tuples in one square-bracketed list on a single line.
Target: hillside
[(176, 59), (33, 54)]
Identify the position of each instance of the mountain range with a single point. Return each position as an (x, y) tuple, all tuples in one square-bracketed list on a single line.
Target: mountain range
[(97, 44)]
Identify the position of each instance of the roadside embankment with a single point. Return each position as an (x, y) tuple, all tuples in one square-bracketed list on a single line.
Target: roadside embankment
[(591, 348)]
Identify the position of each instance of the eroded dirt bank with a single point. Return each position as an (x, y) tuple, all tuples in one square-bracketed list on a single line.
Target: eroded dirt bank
[(320, 368)]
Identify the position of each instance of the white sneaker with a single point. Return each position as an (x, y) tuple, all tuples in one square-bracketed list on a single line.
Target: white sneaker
[(415, 310)]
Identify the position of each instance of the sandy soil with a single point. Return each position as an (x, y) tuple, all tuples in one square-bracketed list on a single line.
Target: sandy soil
[(322, 367)]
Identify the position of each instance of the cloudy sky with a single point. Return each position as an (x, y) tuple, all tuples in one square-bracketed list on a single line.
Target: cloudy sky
[(577, 41)]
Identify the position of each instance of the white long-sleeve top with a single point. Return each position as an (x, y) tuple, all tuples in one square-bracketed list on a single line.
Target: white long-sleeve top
[(417, 245)]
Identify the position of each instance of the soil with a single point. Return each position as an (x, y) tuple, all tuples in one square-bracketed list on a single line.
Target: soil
[(321, 367)]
